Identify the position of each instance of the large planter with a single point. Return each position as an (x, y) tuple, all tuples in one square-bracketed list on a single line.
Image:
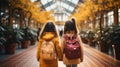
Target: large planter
[(11, 48), (2, 49), (84, 40), (25, 44), (33, 41), (116, 49), (91, 42), (103, 47)]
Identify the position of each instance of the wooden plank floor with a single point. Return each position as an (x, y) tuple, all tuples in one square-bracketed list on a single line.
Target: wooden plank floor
[(92, 58)]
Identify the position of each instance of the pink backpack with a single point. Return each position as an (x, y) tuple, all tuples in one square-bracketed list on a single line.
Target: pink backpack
[(72, 47)]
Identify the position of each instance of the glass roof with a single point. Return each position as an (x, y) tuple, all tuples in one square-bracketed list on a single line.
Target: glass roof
[(62, 8)]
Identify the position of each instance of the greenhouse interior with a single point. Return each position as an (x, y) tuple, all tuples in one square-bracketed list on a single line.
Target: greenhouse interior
[(24, 22)]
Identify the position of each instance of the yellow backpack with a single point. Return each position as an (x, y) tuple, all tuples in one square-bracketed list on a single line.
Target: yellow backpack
[(48, 51)]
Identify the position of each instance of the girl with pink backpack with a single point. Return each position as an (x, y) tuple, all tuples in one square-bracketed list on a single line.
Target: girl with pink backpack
[(71, 45)]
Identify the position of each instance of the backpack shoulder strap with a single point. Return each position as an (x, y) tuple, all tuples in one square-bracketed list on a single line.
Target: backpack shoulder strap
[(75, 36), (66, 37), (54, 46)]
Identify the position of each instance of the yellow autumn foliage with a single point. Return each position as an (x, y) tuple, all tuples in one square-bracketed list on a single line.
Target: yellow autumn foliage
[(89, 8), (38, 14), (85, 10)]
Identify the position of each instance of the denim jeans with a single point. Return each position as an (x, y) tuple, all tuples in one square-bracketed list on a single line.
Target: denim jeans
[(72, 65)]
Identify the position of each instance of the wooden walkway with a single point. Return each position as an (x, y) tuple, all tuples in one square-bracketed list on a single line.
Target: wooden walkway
[(92, 58)]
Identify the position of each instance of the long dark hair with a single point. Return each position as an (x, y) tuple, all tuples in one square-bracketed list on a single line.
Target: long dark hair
[(49, 27), (70, 26)]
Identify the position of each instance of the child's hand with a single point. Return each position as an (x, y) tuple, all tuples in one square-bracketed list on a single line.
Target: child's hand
[(37, 59), (60, 59), (81, 60)]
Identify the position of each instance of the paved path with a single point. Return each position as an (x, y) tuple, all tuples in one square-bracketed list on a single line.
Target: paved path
[(92, 58)]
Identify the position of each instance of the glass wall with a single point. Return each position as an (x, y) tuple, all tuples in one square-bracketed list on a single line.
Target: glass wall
[(119, 16), (110, 18), (62, 8)]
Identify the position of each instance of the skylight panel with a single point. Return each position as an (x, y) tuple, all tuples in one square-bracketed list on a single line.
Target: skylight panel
[(62, 8), (68, 14), (33, 0), (52, 6), (65, 5), (65, 17), (48, 8), (71, 8), (74, 1), (45, 1)]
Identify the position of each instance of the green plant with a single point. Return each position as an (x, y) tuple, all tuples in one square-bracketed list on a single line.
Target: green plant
[(2, 42), (91, 38), (115, 40), (33, 33), (27, 35), (90, 35), (9, 37), (14, 36), (105, 40), (30, 34), (115, 36), (2, 37), (83, 36), (33, 36), (111, 35)]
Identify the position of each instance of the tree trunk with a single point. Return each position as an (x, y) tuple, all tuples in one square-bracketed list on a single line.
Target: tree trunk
[(21, 20), (116, 16), (87, 25), (101, 21), (93, 24), (116, 49), (10, 17)]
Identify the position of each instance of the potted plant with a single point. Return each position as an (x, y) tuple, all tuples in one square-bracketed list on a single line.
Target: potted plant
[(83, 36), (2, 42), (105, 41), (2, 39), (26, 38), (14, 36), (33, 33), (91, 38), (115, 39)]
